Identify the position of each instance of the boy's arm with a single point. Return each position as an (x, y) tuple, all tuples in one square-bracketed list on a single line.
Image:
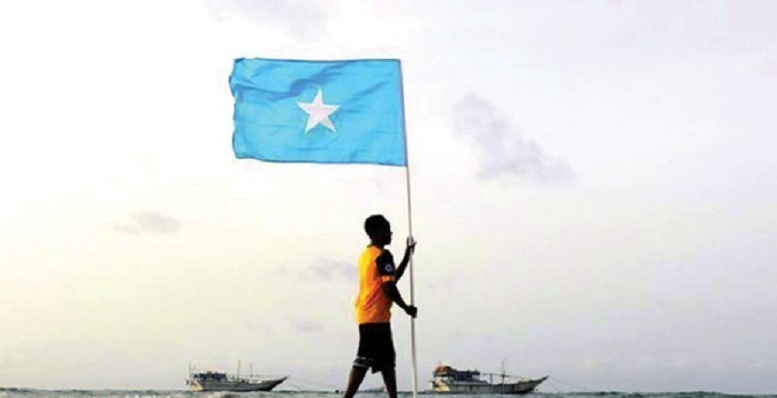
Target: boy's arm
[(390, 289), (409, 250), (389, 276)]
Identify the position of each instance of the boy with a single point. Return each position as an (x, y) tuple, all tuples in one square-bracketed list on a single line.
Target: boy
[(377, 292)]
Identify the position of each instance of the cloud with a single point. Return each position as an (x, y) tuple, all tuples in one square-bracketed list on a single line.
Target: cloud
[(503, 149), (684, 26), (306, 326), (150, 222), (328, 269), (299, 18)]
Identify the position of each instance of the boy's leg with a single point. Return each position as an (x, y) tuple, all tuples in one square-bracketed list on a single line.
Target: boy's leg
[(390, 381), (354, 381)]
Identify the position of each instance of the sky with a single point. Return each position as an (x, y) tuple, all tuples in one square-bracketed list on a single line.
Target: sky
[(592, 191)]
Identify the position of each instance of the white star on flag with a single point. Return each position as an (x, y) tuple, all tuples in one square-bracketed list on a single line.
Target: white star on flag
[(318, 112)]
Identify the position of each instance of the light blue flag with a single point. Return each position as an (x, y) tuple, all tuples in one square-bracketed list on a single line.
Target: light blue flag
[(319, 111)]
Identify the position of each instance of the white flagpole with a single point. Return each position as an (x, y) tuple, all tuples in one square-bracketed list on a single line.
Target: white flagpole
[(412, 288), (410, 229)]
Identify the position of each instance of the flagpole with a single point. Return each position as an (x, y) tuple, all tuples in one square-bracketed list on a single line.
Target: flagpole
[(412, 289), (410, 229)]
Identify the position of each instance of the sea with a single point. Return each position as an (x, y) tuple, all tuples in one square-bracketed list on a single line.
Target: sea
[(32, 393)]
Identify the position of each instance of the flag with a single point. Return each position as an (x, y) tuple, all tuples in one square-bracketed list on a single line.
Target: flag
[(319, 111)]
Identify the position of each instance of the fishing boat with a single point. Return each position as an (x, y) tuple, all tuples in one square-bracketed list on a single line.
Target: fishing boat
[(450, 380), (220, 381)]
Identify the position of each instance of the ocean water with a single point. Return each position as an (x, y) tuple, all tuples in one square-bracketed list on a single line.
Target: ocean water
[(30, 393)]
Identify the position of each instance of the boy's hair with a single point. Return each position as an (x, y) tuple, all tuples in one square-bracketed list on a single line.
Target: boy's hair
[(374, 224)]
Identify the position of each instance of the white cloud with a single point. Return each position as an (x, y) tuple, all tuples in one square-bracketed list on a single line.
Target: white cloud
[(303, 20), (150, 221), (503, 148)]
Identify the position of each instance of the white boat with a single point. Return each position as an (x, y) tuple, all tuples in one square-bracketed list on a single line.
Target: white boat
[(220, 381), (450, 380)]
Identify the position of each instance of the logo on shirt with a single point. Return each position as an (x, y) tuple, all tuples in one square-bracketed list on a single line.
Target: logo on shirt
[(389, 267)]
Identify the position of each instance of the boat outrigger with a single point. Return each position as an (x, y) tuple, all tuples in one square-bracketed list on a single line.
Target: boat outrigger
[(219, 381), (450, 380)]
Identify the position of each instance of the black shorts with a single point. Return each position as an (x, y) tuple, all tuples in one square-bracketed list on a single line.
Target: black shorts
[(376, 347)]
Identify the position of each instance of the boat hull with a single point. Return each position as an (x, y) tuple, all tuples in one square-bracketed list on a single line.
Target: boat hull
[(235, 386), (521, 387)]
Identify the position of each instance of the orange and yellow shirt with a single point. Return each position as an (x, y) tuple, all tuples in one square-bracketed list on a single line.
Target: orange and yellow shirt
[(376, 266)]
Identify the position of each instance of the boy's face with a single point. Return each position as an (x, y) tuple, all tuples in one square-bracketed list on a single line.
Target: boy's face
[(384, 235)]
